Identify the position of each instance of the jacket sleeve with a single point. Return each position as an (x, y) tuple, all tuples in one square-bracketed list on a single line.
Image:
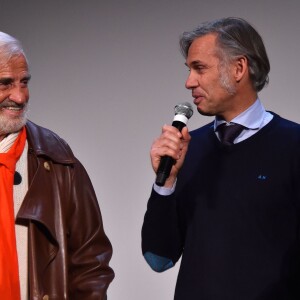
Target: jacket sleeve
[(89, 248), (162, 241)]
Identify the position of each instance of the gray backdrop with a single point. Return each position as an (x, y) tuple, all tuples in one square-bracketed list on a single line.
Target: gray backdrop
[(107, 74)]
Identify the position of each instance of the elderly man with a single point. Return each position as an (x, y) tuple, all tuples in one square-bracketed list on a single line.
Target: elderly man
[(231, 205), (53, 245)]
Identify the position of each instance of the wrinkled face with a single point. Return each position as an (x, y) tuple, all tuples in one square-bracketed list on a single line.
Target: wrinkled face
[(14, 94), (211, 83)]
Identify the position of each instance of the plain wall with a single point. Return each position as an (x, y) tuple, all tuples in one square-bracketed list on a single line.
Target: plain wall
[(106, 76)]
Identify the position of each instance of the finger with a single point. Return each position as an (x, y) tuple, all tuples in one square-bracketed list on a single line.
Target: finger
[(185, 134), (172, 130)]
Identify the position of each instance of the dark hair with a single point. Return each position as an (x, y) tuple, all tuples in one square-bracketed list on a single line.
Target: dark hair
[(235, 37)]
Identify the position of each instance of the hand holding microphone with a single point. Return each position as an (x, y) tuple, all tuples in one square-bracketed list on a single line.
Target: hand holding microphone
[(168, 145)]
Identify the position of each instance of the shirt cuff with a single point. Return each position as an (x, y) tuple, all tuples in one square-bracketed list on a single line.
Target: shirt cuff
[(163, 191)]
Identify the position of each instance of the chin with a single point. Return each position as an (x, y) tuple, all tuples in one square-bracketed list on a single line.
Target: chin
[(205, 113), (11, 126)]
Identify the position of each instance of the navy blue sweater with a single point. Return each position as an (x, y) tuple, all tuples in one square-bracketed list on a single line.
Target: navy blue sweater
[(234, 217)]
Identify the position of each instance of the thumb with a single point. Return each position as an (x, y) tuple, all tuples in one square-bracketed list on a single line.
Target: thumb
[(185, 134)]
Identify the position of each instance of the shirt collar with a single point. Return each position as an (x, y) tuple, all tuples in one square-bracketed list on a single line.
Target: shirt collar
[(251, 118)]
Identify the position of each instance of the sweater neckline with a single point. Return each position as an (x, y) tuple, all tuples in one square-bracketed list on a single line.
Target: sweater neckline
[(252, 138)]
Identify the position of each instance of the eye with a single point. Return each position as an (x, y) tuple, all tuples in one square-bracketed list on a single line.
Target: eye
[(199, 67), (24, 83), (5, 84)]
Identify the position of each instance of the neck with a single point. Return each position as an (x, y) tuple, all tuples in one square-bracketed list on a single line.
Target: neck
[(241, 101)]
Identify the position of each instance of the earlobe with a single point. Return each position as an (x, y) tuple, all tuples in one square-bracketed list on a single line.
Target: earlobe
[(241, 68)]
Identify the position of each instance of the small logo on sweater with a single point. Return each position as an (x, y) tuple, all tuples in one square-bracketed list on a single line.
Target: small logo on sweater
[(262, 177)]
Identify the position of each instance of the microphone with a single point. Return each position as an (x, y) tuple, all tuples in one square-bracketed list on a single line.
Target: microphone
[(183, 112)]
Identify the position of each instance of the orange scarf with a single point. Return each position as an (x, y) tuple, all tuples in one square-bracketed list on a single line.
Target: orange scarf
[(9, 270)]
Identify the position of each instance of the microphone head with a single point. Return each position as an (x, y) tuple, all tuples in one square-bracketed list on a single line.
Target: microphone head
[(185, 109)]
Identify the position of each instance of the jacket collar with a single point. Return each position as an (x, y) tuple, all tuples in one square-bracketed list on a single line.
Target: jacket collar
[(44, 142)]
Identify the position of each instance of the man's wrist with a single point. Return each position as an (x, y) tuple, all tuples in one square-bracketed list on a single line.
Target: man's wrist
[(165, 190)]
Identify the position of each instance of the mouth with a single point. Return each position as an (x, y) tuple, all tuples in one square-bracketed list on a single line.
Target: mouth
[(197, 99), (13, 110), (11, 105)]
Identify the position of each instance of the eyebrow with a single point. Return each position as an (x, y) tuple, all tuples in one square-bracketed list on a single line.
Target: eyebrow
[(8, 80), (195, 63), (27, 77)]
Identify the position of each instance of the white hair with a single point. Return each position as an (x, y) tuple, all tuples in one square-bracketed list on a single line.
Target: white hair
[(9, 47)]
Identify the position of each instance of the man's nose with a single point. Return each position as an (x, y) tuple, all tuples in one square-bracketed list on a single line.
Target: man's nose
[(191, 81), (18, 94)]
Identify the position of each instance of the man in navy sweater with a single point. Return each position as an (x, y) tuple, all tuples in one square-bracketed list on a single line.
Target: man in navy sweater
[(230, 209)]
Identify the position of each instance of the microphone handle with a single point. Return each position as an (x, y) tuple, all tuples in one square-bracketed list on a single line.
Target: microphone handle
[(166, 163)]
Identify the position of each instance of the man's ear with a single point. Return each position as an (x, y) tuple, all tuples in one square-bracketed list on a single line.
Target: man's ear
[(240, 68)]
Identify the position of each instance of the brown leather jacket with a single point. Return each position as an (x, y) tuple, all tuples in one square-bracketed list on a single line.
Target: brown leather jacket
[(68, 249)]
